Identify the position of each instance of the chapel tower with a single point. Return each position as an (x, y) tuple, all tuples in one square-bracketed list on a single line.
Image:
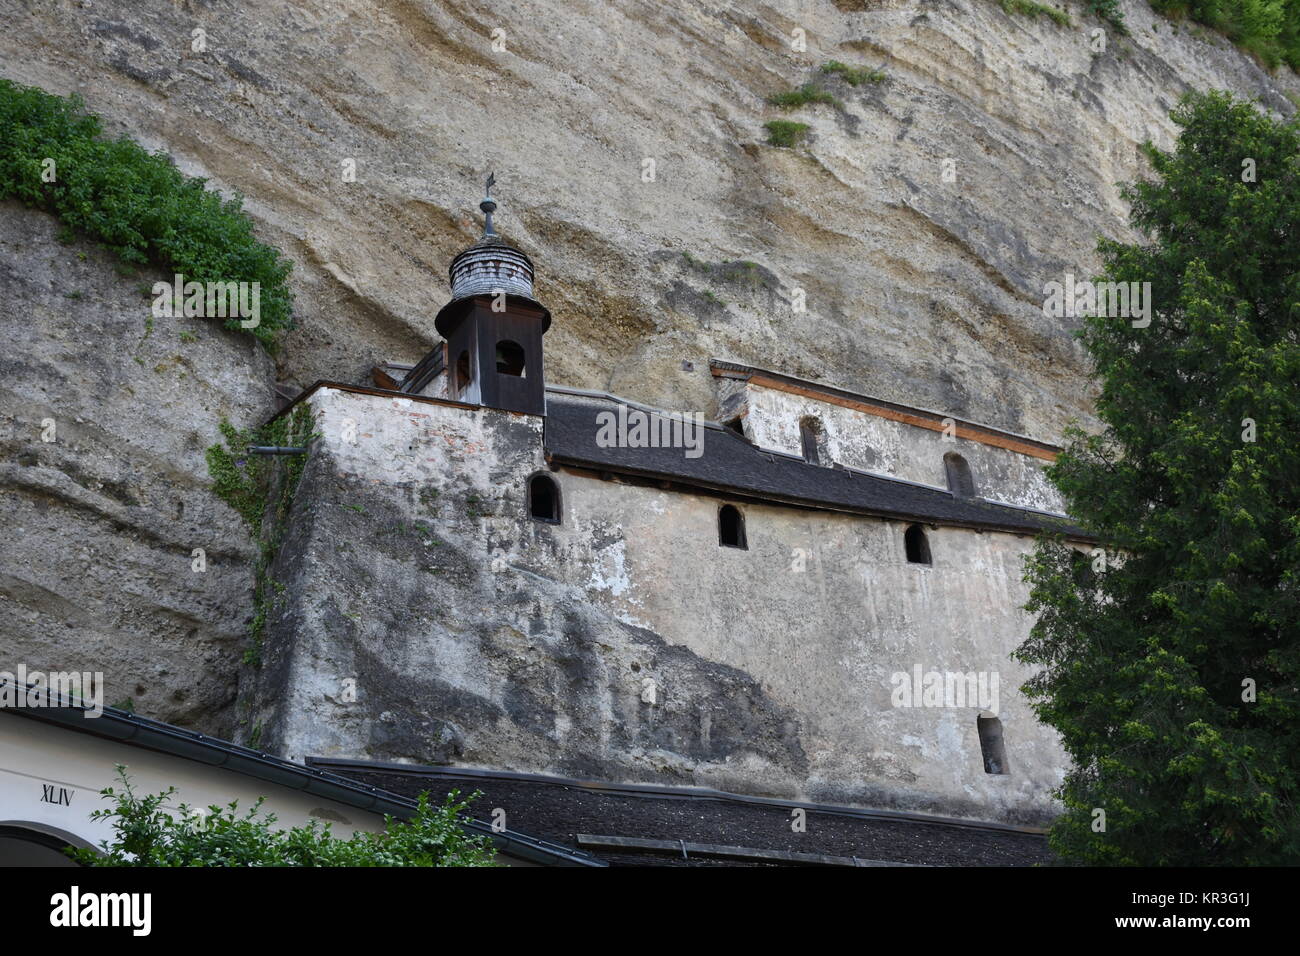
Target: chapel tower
[(493, 325)]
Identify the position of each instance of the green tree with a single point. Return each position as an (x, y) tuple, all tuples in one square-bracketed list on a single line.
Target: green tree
[(148, 831), (1148, 665)]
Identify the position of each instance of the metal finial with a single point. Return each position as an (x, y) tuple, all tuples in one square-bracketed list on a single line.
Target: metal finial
[(488, 205)]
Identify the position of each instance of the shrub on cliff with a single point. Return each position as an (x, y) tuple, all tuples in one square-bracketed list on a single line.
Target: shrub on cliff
[(1110, 12), (145, 833), (1270, 29), (1171, 665), (138, 204)]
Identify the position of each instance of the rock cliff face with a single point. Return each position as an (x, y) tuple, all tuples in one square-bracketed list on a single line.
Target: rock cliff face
[(104, 494), (920, 287), (917, 289)]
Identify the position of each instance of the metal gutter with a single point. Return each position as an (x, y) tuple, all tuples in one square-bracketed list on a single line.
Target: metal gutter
[(686, 848), (815, 504), (812, 503), (660, 476)]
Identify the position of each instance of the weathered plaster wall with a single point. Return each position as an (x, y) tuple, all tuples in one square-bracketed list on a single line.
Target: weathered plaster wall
[(479, 636), (822, 609), (411, 571), (862, 440), (100, 522)]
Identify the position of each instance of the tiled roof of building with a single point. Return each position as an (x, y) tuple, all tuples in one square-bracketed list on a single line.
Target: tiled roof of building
[(679, 826), (134, 730), (730, 464)]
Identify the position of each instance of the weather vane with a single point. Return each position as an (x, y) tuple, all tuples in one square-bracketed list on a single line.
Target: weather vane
[(488, 205)]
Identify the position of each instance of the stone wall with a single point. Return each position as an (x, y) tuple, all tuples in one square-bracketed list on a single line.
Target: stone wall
[(478, 636), (861, 440)]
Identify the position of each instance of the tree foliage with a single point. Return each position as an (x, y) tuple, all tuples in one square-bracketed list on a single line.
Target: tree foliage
[(261, 489), (148, 831), (1270, 29), (1173, 672)]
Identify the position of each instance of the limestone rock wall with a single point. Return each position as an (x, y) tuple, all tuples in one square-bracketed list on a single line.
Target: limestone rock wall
[(918, 290), (104, 493)]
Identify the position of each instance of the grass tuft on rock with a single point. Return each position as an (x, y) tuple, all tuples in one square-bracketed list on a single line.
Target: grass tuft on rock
[(853, 75), (802, 96), (261, 490), (1030, 8), (785, 133), (1267, 29)]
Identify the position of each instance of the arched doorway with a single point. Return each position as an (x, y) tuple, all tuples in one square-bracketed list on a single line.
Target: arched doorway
[(33, 845)]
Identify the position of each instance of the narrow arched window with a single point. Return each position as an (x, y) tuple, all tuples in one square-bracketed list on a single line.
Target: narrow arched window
[(810, 437), (464, 372), (731, 527), (510, 358), (544, 498), (917, 547), (992, 745), (960, 481), (1081, 571)]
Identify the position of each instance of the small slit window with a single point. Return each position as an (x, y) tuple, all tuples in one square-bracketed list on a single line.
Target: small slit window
[(731, 527), (1085, 578), (544, 499), (510, 358), (992, 745), (464, 375), (916, 545), (812, 440), (960, 481)]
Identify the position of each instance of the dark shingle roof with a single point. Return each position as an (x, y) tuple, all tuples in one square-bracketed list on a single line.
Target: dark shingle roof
[(730, 464), (559, 810)]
